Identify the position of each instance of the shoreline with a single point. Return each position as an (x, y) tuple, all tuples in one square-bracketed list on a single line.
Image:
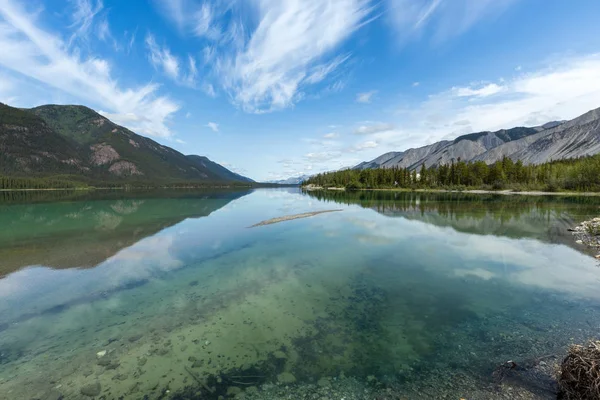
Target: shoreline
[(473, 191)]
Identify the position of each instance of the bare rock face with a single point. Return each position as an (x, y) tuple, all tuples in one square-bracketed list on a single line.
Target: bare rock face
[(124, 168), (578, 137), (103, 154)]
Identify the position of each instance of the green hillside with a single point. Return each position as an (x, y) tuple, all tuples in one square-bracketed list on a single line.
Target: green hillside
[(77, 142)]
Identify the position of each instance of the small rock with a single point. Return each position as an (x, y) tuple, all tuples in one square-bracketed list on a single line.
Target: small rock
[(324, 382), (252, 390), (206, 343), (53, 394), (91, 390), (142, 361), (120, 377), (135, 338), (101, 354), (87, 371), (233, 390), (286, 377), (579, 241), (198, 363), (279, 355)]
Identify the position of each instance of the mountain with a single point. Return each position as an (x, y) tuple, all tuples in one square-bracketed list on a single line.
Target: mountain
[(551, 141), (75, 140), (217, 169), (291, 181)]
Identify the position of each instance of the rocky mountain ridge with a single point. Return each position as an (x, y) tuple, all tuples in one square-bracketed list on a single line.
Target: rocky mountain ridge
[(551, 141)]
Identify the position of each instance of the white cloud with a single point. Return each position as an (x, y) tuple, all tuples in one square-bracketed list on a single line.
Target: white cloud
[(449, 18), (209, 90), (365, 97), (83, 15), (483, 91), (214, 126), (562, 90), (323, 156), (370, 144), (162, 58), (188, 114), (42, 57), (415, 84), (291, 49), (373, 128), (331, 135), (518, 68)]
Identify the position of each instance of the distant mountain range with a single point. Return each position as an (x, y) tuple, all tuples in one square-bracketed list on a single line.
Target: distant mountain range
[(552, 141), (57, 140), (291, 181)]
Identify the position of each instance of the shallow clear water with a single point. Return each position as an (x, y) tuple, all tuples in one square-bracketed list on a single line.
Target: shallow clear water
[(413, 289)]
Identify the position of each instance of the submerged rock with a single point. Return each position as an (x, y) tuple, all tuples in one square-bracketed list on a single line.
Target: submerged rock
[(233, 390), (286, 377), (324, 382), (91, 390)]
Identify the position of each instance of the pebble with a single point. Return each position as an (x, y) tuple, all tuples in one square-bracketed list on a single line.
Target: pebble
[(91, 390)]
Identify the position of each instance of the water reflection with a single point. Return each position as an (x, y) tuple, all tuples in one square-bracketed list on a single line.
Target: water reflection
[(412, 289), (85, 233), (545, 218)]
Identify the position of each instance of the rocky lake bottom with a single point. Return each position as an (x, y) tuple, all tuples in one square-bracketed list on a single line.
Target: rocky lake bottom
[(400, 296)]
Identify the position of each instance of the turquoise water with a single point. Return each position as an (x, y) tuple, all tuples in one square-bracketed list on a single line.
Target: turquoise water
[(168, 295)]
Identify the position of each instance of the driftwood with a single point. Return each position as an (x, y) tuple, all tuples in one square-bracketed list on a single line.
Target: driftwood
[(579, 376), (291, 217)]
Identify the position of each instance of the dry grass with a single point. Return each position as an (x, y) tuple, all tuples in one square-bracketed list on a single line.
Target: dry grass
[(579, 376)]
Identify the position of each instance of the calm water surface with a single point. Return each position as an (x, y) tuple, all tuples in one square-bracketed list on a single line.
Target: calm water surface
[(412, 289)]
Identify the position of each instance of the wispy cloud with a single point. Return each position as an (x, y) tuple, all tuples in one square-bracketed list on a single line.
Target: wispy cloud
[(83, 14), (366, 96), (445, 18), (331, 135), (486, 90), (162, 59), (371, 128), (43, 57), (214, 126), (415, 84), (267, 54)]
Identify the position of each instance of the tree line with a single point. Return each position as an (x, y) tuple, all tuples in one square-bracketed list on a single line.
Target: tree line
[(581, 174)]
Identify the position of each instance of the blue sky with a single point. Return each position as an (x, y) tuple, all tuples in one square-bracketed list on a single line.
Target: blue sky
[(280, 88)]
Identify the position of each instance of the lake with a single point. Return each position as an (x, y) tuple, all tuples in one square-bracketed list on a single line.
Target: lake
[(160, 295)]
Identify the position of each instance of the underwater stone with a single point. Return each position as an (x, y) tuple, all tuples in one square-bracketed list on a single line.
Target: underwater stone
[(53, 394), (252, 390), (279, 354), (324, 382), (91, 390), (135, 338), (286, 377), (233, 390)]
